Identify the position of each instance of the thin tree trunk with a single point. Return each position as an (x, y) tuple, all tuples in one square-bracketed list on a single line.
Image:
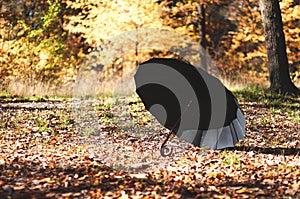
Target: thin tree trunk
[(278, 66), (202, 34)]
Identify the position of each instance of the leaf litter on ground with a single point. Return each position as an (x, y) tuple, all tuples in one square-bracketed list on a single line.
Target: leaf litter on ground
[(110, 149)]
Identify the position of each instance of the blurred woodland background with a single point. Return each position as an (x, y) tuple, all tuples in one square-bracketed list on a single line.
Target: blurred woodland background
[(44, 43)]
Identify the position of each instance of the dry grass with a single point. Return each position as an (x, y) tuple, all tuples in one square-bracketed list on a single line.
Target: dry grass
[(89, 85), (23, 88)]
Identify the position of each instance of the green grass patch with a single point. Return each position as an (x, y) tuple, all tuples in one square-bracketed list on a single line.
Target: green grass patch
[(262, 95), (277, 103)]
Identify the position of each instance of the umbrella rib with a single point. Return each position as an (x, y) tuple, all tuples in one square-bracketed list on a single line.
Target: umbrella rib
[(171, 131), (217, 138), (235, 133), (232, 135), (201, 134)]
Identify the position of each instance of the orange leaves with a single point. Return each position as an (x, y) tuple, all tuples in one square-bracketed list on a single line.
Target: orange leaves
[(217, 175), (56, 164), (2, 183), (290, 17)]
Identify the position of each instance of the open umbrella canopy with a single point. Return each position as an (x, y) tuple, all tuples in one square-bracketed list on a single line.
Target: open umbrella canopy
[(192, 104)]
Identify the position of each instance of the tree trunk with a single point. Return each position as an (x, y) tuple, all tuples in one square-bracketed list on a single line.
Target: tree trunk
[(202, 35), (278, 66)]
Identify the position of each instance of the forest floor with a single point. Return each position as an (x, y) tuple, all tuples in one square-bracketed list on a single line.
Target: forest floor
[(61, 148)]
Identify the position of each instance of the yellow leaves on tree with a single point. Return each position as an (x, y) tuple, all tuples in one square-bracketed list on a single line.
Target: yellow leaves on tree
[(248, 50), (33, 45), (291, 24), (104, 19)]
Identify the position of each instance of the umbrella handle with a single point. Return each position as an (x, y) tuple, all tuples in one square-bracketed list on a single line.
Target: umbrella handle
[(166, 151), (167, 138), (163, 148)]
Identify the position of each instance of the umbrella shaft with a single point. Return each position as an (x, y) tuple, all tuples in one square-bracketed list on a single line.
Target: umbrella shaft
[(171, 131)]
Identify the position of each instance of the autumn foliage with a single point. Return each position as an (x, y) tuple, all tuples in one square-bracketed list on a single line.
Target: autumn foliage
[(44, 43)]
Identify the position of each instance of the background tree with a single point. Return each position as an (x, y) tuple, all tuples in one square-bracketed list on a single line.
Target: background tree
[(276, 48), (100, 26), (45, 42), (235, 35), (35, 49), (205, 21)]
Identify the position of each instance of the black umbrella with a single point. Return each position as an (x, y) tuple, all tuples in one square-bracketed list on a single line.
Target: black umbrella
[(192, 104)]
